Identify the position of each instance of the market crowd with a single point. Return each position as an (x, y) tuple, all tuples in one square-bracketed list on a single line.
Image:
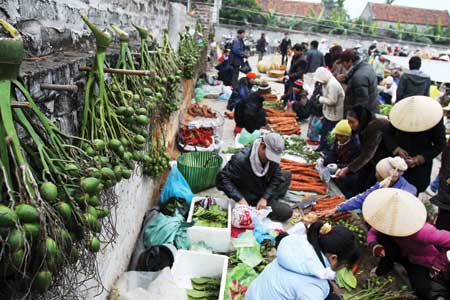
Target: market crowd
[(381, 163)]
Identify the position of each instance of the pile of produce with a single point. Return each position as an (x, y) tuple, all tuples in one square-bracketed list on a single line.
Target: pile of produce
[(202, 137), (346, 279), (211, 216), (283, 122), (51, 214), (298, 146), (270, 97), (328, 203), (160, 97), (189, 52), (198, 110), (278, 105), (385, 109), (380, 289), (358, 231), (304, 177), (204, 288)]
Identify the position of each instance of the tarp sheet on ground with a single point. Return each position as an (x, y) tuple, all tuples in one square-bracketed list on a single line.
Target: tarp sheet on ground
[(438, 70)]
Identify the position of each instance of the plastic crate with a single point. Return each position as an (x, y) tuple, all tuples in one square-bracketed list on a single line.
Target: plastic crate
[(218, 239), (190, 264)]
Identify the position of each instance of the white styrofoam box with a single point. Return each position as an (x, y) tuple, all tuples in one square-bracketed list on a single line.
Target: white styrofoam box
[(218, 239), (190, 264)]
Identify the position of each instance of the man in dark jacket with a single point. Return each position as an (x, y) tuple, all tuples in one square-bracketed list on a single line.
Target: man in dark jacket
[(297, 69), (314, 58), (362, 83), (413, 82), (261, 45), (237, 55), (250, 114), (284, 46), (253, 177)]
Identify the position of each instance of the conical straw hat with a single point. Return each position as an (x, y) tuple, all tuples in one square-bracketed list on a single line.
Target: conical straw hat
[(416, 114), (394, 212)]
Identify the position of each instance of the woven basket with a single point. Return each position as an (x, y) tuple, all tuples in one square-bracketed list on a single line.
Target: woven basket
[(200, 169)]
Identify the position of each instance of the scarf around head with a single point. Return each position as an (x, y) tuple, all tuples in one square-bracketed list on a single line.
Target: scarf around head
[(257, 167)]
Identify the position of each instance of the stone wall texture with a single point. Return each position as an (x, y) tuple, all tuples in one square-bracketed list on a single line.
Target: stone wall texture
[(48, 25)]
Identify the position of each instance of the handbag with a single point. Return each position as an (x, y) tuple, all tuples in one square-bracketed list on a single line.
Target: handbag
[(245, 67)]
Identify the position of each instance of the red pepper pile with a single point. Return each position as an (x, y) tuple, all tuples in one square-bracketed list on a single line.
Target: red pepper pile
[(197, 136)]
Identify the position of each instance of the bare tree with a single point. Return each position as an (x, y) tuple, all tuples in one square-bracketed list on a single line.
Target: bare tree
[(389, 2)]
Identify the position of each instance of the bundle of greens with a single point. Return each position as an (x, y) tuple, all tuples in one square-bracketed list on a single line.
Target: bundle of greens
[(380, 289), (297, 146), (214, 216), (204, 288)]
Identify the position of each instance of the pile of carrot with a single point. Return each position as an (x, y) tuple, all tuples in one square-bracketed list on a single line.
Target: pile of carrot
[(328, 203), (304, 177), (283, 122)]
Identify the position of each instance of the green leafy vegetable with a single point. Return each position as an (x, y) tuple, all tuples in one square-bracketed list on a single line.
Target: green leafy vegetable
[(214, 216), (346, 279)]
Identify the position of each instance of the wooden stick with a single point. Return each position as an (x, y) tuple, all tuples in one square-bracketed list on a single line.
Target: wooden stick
[(20, 104), (122, 71), (60, 87)]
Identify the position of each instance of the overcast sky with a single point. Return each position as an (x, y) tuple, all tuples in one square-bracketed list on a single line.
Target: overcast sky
[(355, 7)]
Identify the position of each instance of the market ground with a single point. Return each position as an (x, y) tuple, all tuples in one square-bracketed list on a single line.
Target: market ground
[(278, 89)]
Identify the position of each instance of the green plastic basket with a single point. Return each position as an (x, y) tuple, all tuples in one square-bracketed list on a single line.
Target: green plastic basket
[(200, 169)]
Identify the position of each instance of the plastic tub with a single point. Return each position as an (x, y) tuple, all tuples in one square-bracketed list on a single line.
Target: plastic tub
[(190, 264), (200, 169), (218, 239)]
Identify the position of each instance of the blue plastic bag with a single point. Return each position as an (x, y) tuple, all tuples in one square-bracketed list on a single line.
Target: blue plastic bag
[(176, 187)]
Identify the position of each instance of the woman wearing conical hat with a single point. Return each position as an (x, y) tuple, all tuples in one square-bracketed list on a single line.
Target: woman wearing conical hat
[(417, 134), (400, 233)]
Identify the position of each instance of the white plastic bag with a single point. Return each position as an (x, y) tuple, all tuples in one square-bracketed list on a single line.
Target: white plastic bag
[(164, 288), (242, 215), (132, 285)]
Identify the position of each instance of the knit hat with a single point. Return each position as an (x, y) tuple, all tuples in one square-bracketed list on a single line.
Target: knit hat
[(394, 212), (416, 114), (251, 75), (298, 84), (342, 128), (391, 166)]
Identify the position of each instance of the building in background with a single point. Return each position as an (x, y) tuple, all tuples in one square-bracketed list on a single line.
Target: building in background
[(388, 15), (293, 8)]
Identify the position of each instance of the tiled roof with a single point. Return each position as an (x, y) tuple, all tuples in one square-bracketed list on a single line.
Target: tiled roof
[(296, 8), (408, 15)]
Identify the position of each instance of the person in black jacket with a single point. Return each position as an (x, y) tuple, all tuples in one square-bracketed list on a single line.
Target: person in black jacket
[(253, 177), (417, 134), (237, 55), (249, 113), (413, 82), (362, 83), (242, 90), (261, 45), (297, 69), (284, 46)]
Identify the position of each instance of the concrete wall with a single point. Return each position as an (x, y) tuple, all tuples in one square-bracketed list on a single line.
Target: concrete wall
[(275, 36), (179, 19), (51, 24)]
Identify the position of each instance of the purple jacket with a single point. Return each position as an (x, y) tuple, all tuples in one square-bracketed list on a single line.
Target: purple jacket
[(357, 201), (422, 247)]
